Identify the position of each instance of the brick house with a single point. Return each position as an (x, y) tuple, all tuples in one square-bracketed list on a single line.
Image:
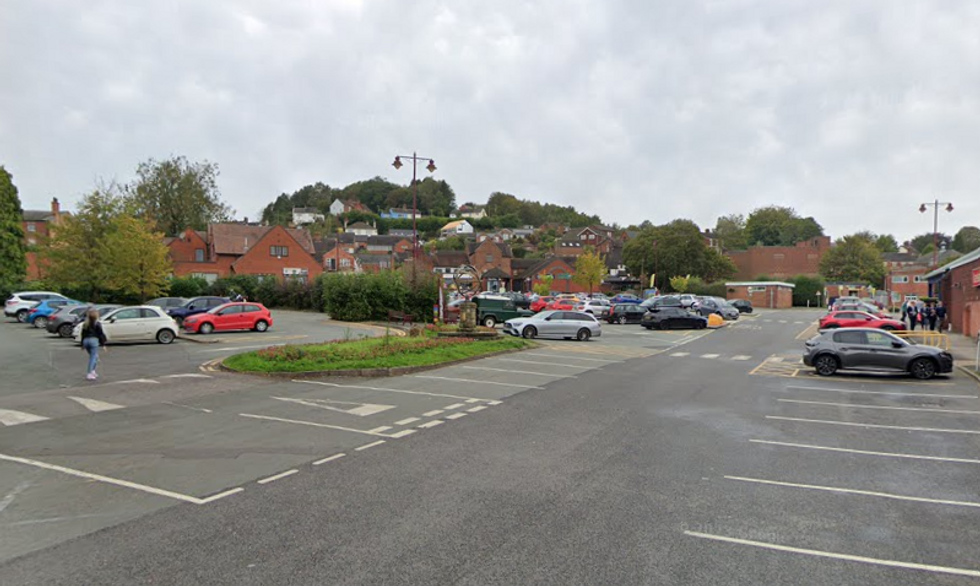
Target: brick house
[(492, 260), (561, 271), (957, 285), (574, 242), (241, 249), (386, 244), (344, 206), (771, 294), (39, 225), (780, 262), (342, 257)]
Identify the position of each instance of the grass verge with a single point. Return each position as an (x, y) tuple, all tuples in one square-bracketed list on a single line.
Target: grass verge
[(367, 353)]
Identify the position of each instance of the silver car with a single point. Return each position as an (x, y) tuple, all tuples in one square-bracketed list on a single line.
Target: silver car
[(555, 324), (873, 349), (597, 307)]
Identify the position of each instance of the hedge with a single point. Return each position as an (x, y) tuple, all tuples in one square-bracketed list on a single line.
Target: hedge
[(369, 296)]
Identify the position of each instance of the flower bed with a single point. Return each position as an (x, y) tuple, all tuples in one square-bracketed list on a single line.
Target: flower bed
[(368, 353)]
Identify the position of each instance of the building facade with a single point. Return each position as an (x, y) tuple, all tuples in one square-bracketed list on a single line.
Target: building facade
[(770, 294), (780, 262)]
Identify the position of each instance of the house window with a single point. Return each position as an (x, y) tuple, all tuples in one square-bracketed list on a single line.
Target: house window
[(331, 264), (279, 251), (489, 258), (345, 262), (901, 279), (778, 256), (31, 227), (920, 279), (199, 255)]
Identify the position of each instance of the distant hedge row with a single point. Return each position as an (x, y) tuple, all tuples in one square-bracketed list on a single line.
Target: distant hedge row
[(369, 296)]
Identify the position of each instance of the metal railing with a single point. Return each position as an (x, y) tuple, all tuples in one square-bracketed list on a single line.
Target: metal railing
[(926, 338)]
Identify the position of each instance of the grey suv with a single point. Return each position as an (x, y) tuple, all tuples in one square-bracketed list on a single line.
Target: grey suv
[(873, 349)]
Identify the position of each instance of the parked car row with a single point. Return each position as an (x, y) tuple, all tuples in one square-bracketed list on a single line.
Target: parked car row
[(158, 320)]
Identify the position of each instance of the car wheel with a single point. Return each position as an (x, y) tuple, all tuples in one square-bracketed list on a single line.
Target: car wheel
[(826, 365), (923, 368), (583, 335), (489, 321), (530, 332), (621, 320), (22, 316), (64, 330), (261, 325), (40, 322), (165, 336), (205, 328)]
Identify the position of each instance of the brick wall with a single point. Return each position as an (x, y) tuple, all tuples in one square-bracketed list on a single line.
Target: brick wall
[(488, 250), (771, 296), (962, 299), (780, 262), (259, 259)]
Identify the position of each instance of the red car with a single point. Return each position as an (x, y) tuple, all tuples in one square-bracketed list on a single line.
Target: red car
[(540, 303), (858, 319), (230, 316), (562, 305)]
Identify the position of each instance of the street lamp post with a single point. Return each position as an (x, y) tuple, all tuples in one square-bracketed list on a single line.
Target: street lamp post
[(935, 225), (415, 194)]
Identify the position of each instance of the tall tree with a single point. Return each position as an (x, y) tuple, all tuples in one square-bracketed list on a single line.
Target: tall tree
[(853, 258), (779, 226), (967, 239), (372, 192), (13, 252), (176, 194), (676, 248), (886, 243), (138, 264), (77, 255), (590, 269), (501, 204), (920, 242), (730, 232)]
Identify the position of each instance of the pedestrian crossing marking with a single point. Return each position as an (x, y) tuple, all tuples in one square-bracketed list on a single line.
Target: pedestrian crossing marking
[(741, 357), (10, 417), (95, 405)]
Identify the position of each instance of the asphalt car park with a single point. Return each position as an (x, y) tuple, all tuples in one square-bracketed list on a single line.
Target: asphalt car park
[(752, 469)]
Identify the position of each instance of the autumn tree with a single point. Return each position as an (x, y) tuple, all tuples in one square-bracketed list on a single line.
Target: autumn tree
[(590, 269), (13, 253), (730, 232), (853, 258), (138, 264), (544, 287), (176, 194), (967, 239)]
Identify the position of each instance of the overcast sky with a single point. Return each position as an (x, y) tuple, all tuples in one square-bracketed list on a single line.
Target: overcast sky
[(851, 111)]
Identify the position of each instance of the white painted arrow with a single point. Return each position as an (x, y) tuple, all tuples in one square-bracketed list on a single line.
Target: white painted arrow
[(359, 409), (10, 417), (95, 405)]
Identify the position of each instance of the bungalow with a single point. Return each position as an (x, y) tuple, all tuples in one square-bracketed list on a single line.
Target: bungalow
[(399, 213), (473, 212), (361, 229), (344, 206), (456, 228), (302, 216)]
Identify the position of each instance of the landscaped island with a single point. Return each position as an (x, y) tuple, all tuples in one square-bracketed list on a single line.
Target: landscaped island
[(368, 353)]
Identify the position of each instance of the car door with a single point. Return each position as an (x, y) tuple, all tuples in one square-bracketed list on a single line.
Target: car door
[(150, 323), (125, 324), (853, 349), (565, 323), (886, 351), (634, 313), (229, 318)]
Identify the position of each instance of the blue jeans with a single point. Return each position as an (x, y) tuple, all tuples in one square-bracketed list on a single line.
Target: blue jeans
[(92, 346)]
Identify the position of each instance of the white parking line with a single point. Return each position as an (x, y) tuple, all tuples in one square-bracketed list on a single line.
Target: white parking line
[(407, 421), (432, 413), (709, 356), (838, 556), (477, 409), (432, 423), (453, 406), (469, 380), (119, 482), (855, 491), (866, 452), (402, 391), (456, 415), (146, 381), (95, 405), (276, 477), (741, 357), (540, 363), (851, 405), (10, 417), (565, 356), (831, 390), (876, 426), (329, 459), (507, 370), (369, 446), (680, 354), (310, 423), (381, 429), (190, 375), (402, 433)]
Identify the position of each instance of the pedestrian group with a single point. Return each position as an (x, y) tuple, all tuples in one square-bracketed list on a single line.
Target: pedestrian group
[(925, 316)]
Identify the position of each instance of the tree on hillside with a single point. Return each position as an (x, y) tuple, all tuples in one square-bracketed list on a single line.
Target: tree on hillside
[(317, 195), (77, 255), (920, 242), (435, 198), (500, 204), (730, 232), (13, 264), (779, 226), (886, 243), (590, 269), (176, 194), (373, 193), (138, 264), (853, 259), (967, 239), (676, 248)]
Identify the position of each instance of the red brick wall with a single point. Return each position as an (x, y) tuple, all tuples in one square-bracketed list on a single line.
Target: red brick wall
[(962, 299), (259, 261), (38, 237), (330, 258), (780, 262), (184, 247), (555, 268), (479, 258), (774, 296), (911, 288)]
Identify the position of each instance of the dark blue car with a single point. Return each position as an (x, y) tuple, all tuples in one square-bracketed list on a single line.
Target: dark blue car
[(625, 298), (195, 306)]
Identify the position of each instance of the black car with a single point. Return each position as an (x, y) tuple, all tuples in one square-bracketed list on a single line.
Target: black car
[(195, 306), (668, 318), (167, 302), (625, 313), (717, 305), (742, 305), (662, 301), (873, 349)]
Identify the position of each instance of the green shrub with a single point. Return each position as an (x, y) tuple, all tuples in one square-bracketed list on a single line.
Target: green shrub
[(247, 285), (369, 296), (806, 290), (188, 287)]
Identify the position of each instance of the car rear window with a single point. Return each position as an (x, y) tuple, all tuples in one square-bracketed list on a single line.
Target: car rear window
[(850, 338)]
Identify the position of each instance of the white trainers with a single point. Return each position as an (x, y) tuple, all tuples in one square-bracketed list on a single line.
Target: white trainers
[(90, 376)]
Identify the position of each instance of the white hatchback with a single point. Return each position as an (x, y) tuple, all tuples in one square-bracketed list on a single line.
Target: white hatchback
[(20, 303), (143, 323)]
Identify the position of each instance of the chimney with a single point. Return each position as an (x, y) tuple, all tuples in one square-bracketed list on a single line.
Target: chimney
[(245, 248), (246, 220), (55, 207)]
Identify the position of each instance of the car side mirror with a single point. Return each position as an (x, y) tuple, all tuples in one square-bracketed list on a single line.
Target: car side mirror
[(112, 320), (547, 318), (897, 344), (868, 318)]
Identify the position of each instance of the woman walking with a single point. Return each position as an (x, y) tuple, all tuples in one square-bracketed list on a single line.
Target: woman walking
[(913, 314), (93, 338)]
